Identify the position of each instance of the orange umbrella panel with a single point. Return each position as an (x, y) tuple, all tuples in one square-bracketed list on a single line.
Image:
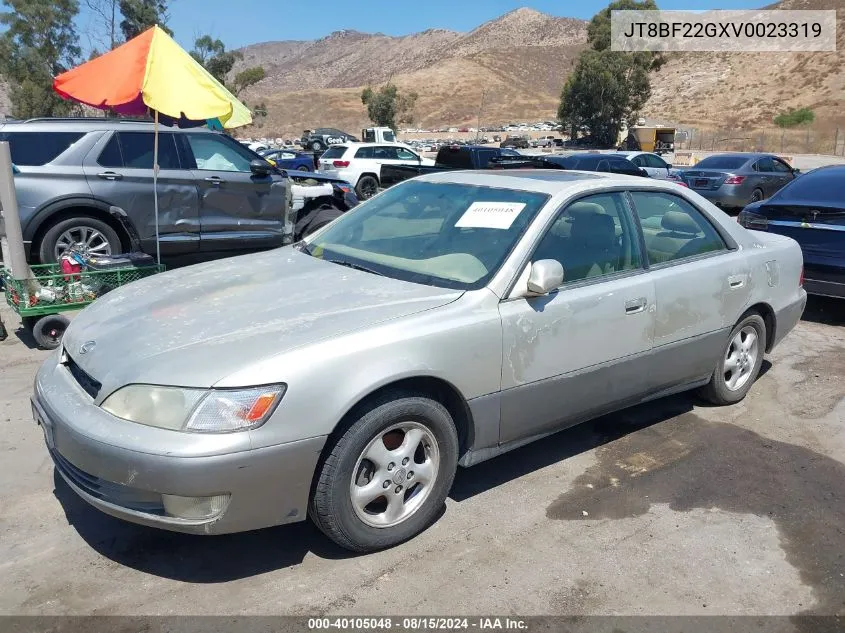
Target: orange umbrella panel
[(112, 81)]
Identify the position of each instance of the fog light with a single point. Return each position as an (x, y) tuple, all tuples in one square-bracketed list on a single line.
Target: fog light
[(194, 507)]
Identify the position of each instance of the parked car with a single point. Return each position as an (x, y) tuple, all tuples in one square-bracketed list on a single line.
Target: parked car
[(446, 321), (449, 158), (216, 196), (515, 142), (732, 181), (286, 159), (320, 139), (611, 163), (361, 164), (810, 210)]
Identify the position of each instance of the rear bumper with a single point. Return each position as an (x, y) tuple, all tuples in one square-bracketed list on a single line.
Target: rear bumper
[(725, 196), (787, 318), (825, 288)]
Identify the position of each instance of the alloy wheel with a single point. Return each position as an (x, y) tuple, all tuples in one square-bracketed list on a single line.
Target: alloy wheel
[(83, 239), (741, 358), (394, 474)]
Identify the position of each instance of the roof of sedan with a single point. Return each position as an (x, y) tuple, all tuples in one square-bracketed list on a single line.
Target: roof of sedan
[(549, 181)]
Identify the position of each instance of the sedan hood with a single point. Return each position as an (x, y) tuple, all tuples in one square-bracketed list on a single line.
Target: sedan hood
[(195, 326)]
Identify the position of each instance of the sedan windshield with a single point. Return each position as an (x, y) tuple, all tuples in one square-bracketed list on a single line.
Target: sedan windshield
[(439, 234)]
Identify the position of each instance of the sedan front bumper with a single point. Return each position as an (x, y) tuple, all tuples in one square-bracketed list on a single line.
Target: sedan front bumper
[(128, 478)]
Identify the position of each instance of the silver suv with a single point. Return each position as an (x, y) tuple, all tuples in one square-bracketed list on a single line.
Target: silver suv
[(216, 197)]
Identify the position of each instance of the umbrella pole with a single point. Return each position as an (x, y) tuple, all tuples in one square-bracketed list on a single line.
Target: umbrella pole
[(155, 185)]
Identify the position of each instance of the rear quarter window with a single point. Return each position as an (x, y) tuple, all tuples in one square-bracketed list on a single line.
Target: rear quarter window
[(33, 149), (336, 151)]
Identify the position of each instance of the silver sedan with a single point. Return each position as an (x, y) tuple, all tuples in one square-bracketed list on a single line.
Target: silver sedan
[(732, 181), (442, 323)]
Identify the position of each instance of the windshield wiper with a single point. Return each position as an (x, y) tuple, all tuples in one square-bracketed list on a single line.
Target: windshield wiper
[(341, 262)]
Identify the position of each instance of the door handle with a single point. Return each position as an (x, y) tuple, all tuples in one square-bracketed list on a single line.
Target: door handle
[(215, 180), (737, 281), (635, 306), (110, 175)]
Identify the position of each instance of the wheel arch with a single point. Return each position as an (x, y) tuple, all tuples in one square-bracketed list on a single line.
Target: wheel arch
[(368, 173), (436, 388), (768, 314), (66, 208)]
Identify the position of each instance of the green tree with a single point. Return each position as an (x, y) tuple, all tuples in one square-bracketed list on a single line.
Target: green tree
[(794, 117), (214, 57), (247, 78), (139, 15), (607, 87), (388, 107), (39, 42)]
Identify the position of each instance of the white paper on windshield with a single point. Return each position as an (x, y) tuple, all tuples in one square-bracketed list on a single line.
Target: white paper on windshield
[(490, 215)]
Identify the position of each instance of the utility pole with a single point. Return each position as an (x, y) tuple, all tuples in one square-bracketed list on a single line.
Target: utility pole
[(480, 110)]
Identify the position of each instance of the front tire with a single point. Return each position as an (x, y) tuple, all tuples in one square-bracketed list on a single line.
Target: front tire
[(387, 476), (740, 364), (317, 146)]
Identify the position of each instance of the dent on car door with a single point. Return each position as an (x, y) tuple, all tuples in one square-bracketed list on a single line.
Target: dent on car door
[(583, 348), (238, 210), (702, 287), (119, 170)]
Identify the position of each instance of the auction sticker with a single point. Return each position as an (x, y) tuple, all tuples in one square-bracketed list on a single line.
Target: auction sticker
[(490, 215)]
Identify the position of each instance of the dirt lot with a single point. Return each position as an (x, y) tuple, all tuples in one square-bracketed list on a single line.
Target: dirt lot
[(669, 508)]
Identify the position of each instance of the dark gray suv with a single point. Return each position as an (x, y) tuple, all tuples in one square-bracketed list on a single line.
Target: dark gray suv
[(213, 197)]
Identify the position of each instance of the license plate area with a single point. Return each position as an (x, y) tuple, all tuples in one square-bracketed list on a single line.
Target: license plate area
[(700, 183)]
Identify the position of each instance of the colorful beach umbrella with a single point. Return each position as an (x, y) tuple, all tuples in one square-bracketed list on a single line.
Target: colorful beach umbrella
[(151, 73)]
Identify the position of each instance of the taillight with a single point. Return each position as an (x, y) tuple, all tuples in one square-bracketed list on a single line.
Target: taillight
[(801, 278), (734, 180), (341, 163)]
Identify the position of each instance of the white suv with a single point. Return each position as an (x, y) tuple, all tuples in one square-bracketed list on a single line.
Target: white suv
[(359, 164)]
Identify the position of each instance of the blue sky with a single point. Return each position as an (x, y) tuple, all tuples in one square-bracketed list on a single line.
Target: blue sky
[(241, 22)]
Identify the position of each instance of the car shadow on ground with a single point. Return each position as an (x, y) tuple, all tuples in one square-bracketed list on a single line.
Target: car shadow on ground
[(213, 559), (825, 310)]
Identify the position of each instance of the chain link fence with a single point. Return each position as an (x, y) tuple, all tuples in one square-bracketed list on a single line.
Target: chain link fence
[(818, 138)]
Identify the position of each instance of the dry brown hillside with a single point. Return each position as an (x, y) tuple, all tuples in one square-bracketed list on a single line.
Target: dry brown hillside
[(519, 61), (745, 90)]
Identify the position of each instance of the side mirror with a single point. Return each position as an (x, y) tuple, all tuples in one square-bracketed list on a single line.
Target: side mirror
[(668, 165), (546, 275), (260, 167), (796, 171)]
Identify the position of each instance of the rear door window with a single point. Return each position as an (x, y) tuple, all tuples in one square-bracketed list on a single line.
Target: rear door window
[(673, 229), (137, 149), (33, 149), (363, 152)]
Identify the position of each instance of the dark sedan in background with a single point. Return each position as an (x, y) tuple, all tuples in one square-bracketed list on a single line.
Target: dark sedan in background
[(609, 163), (810, 210), (732, 181)]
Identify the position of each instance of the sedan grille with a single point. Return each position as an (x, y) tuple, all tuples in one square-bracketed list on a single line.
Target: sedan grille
[(88, 384), (116, 494)]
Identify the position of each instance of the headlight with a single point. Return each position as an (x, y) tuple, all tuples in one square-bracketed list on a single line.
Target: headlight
[(208, 411)]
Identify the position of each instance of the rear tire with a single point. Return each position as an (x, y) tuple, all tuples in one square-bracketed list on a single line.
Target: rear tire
[(104, 239), (318, 146), (48, 330), (406, 448), (367, 187), (740, 364), (757, 195), (303, 168)]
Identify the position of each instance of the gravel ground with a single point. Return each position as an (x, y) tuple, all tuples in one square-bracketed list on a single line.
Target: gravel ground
[(669, 508)]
